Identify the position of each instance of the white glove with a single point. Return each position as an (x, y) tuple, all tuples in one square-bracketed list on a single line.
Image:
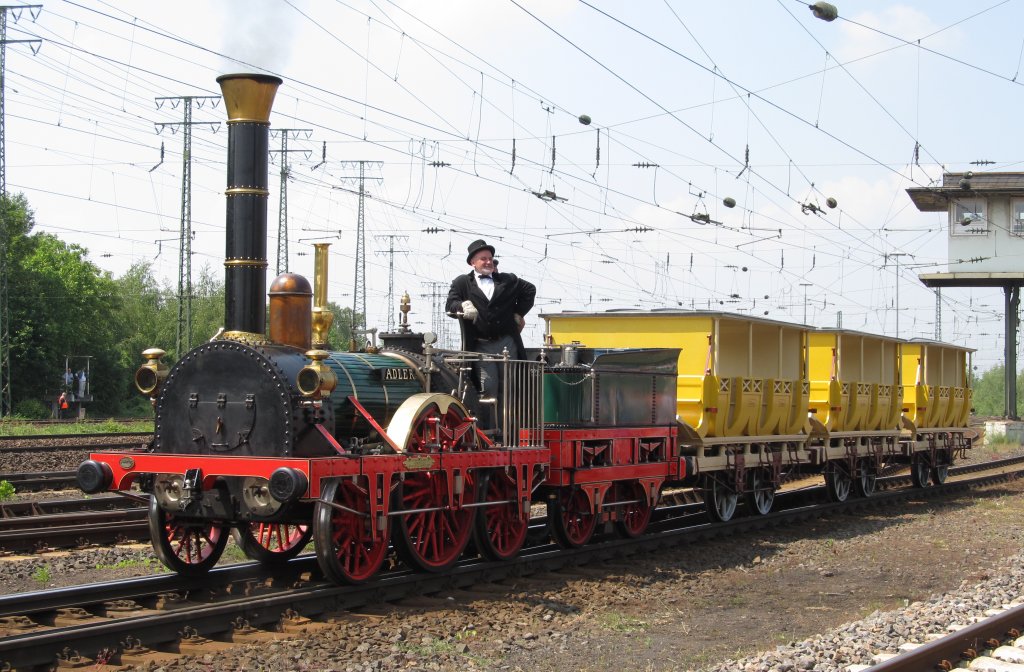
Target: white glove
[(469, 311)]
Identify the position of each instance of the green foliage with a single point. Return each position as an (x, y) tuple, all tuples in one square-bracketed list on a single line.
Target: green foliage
[(622, 622), (42, 575), (59, 303), (31, 409), (147, 317), (14, 427), (62, 305), (989, 392), (151, 564), (999, 440), (7, 490), (340, 335)]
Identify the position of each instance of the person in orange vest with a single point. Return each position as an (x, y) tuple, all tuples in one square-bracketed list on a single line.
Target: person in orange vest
[(62, 405)]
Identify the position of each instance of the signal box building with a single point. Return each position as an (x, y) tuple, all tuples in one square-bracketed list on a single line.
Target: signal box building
[(985, 232)]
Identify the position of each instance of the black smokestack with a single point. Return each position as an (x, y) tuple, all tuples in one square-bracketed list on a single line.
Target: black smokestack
[(248, 99)]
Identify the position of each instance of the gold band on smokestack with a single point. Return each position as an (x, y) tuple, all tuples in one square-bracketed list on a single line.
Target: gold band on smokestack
[(248, 99), (322, 315)]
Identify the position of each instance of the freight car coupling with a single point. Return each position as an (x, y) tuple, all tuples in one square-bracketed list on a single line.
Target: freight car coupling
[(267, 433)]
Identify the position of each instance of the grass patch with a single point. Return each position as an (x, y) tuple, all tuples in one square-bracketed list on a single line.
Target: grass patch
[(1002, 440), (42, 575), (234, 553), (7, 490), (23, 428), (617, 622), (151, 564)]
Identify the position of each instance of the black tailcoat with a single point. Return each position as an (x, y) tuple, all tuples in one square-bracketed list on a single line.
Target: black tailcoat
[(511, 297)]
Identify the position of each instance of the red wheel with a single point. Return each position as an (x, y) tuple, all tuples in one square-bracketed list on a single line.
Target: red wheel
[(346, 548), (431, 540), (572, 519), (272, 543), (434, 538), (636, 515), (186, 547), (499, 531)]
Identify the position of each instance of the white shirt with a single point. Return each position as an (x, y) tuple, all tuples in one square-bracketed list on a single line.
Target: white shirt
[(486, 285)]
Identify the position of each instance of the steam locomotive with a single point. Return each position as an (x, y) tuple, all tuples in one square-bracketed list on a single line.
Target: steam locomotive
[(267, 434)]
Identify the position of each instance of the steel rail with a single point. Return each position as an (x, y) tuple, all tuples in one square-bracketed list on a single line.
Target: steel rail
[(99, 532), (41, 647), (31, 507), (41, 480), (53, 437), (965, 644), (68, 448)]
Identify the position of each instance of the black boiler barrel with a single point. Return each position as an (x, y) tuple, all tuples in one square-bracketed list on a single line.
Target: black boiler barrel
[(248, 99)]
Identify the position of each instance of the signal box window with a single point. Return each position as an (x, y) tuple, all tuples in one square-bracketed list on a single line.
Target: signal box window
[(968, 217), (1017, 216)]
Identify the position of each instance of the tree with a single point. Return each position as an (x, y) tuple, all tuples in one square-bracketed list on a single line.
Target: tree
[(989, 392), (59, 304), (340, 335), (207, 305)]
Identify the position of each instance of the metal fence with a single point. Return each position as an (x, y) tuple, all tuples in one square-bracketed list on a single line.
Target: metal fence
[(519, 402)]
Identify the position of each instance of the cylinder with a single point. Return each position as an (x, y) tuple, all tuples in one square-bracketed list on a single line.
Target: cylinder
[(290, 311), (248, 99)]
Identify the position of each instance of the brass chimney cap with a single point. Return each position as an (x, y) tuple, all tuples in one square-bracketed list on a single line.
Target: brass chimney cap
[(249, 97)]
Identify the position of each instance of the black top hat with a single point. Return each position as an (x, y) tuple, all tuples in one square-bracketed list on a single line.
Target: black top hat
[(476, 246)]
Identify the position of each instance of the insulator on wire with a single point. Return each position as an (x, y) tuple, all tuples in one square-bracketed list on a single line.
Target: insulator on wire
[(825, 11)]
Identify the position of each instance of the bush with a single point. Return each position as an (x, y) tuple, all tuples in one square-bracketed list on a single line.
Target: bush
[(31, 409)]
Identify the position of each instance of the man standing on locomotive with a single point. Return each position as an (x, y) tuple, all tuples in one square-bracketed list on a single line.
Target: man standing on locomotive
[(492, 306)]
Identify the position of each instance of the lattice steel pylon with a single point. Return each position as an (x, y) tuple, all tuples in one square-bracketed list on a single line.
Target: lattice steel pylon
[(183, 336), (5, 330), (282, 210), (358, 325), (359, 289), (391, 252), (440, 321)]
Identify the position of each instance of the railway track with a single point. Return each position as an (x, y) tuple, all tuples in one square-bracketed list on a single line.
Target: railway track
[(992, 644), (37, 481), (33, 526), (46, 442), (119, 622)]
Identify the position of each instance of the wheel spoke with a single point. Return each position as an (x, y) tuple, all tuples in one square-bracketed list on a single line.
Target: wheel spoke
[(347, 549)]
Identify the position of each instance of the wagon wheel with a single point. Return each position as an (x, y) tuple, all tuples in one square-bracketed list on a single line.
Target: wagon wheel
[(636, 515), (864, 484), (186, 547), (272, 543), (498, 531), (837, 481), (719, 499), (941, 470), (761, 495), (572, 519), (920, 471), (346, 548), (433, 538)]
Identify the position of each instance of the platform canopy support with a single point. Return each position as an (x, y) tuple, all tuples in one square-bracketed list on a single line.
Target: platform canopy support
[(1011, 284)]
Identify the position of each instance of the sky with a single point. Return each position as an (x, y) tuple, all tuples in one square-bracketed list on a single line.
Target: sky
[(594, 143)]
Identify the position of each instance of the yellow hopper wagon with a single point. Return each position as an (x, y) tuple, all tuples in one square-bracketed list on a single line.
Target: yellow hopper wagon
[(937, 400), (760, 402), (742, 391)]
